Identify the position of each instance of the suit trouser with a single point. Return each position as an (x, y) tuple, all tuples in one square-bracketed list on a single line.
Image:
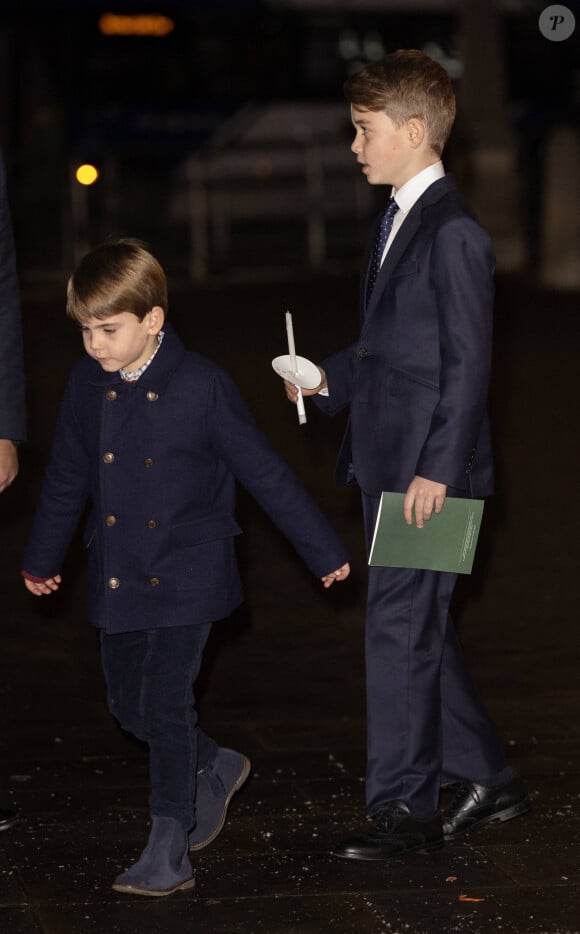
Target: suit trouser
[(425, 724), (150, 676)]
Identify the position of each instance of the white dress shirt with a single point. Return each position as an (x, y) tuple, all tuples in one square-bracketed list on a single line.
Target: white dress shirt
[(408, 194)]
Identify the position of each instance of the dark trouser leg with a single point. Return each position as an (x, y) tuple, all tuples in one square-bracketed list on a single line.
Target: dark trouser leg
[(150, 677), (420, 704), (471, 747)]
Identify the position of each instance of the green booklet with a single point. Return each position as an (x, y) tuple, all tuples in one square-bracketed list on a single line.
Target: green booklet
[(445, 543)]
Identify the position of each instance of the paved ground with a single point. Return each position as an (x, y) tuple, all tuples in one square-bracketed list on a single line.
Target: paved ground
[(284, 677)]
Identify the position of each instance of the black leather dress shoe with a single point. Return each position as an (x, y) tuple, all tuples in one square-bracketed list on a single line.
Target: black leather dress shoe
[(394, 832), (7, 819), (477, 805)]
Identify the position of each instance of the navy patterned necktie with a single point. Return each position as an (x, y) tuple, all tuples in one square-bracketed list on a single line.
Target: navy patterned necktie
[(383, 232)]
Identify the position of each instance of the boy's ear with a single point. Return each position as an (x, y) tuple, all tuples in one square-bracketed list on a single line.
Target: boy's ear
[(417, 132), (156, 318)]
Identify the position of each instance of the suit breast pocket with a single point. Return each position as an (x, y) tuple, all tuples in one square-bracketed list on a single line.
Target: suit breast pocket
[(203, 553), (408, 268)]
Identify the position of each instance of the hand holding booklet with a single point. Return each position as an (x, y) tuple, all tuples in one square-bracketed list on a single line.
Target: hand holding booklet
[(445, 543)]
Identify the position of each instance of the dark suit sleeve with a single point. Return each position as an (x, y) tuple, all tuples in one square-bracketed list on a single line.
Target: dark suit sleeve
[(462, 274), (340, 369), (264, 473), (12, 405), (63, 498)]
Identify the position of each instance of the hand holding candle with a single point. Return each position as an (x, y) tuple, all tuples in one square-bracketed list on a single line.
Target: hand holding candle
[(299, 374)]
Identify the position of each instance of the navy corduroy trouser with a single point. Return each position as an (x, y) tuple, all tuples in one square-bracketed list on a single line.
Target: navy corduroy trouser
[(150, 676)]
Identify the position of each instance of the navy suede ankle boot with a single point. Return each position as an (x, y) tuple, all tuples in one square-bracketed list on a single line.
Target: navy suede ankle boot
[(216, 787), (163, 866)]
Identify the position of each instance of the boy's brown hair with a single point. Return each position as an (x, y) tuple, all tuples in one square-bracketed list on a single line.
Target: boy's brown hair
[(407, 84), (118, 276)]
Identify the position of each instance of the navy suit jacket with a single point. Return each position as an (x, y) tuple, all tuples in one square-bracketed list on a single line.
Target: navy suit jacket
[(12, 407), (417, 378), (158, 459)]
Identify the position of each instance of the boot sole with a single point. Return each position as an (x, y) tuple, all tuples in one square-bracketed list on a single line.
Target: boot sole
[(423, 850), (247, 766), (514, 811), (134, 890)]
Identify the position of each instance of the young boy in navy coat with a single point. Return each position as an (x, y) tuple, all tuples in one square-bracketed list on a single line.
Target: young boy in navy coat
[(156, 437), (416, 385)]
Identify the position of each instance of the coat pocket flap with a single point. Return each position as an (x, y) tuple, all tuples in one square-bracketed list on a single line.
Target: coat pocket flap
[(209, 529)]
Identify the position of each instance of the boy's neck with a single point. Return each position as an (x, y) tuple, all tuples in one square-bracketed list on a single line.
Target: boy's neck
[(423, 161)]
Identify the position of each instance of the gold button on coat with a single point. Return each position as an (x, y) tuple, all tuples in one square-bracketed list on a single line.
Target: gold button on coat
[(114, 583), (111, 520), (148, 462), (152, 396), (152, 523), (154, 581), (109, 457), (111, 395)]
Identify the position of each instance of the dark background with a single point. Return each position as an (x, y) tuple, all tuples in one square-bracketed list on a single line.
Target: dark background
[(139, 108)]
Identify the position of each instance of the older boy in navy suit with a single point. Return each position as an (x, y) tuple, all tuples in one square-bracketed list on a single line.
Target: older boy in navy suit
[(416, 383), (155, 437)]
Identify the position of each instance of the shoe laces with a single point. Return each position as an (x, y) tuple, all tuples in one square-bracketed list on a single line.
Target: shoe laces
[(390, 816), (460, 790)]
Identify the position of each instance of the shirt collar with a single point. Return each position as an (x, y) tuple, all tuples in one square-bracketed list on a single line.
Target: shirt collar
[(411, 191), (131, 376)]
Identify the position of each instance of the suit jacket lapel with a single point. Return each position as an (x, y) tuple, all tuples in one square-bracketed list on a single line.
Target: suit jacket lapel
[(398, 247), (404, 236)]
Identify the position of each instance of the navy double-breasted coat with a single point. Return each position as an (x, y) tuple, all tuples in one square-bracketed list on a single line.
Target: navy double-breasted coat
[(159, 460)]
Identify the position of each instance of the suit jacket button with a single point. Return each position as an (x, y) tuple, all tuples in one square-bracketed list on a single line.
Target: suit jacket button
[(148, 462), (154, 581), (114, 583), (151, 524), (111, 395), (111, 520), (363, 352), (152, 396), (109, 457)]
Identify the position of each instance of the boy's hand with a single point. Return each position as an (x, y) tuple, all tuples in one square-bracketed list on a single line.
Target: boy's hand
[(292, 390), (46, 587), (340, 575), (426, 497)]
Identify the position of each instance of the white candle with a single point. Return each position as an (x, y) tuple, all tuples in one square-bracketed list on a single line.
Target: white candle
[(291, 345), (294, 367)]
